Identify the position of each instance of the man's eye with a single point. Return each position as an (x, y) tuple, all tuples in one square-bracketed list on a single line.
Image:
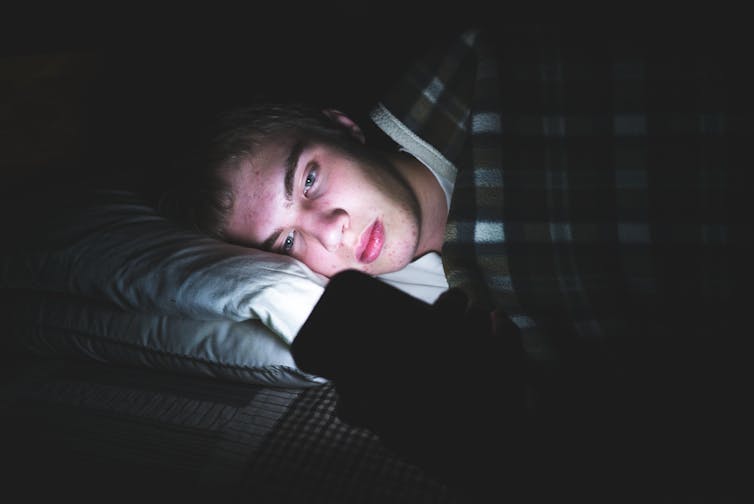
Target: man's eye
[(311, 177), (288, 243)]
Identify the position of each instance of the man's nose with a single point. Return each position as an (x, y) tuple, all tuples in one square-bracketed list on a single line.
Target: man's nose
[(328, 227)]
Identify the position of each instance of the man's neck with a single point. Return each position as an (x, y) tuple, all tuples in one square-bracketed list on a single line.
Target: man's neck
[(432, 202)]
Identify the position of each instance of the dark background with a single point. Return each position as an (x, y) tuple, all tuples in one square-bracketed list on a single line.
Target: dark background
[(116, 97)]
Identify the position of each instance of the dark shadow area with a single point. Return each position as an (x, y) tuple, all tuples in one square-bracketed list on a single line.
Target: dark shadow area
[(119, 97)]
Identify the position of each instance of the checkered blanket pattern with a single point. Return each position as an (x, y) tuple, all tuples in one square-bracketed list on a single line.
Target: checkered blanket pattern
[(596, 200)]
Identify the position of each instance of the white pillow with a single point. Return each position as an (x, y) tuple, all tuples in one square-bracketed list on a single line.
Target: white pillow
[(65, 325), (117, 248), (165, 297)]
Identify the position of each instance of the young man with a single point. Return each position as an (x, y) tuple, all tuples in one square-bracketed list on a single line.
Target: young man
[(312, 184), (303, 182), (584, 186)]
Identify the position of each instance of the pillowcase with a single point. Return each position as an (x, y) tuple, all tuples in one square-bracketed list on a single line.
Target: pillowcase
[(59, 325), (115, 247)]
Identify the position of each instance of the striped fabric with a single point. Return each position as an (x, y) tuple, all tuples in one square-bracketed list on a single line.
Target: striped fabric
[(594, 199)]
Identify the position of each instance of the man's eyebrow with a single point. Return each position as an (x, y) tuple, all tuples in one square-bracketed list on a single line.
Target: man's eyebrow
[(270, 241), (290, 168), (291, 162)]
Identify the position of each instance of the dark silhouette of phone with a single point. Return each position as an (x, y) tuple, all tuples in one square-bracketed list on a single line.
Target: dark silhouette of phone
[(360, 324)]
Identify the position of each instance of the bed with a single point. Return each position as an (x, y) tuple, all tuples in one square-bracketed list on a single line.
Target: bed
[(86, 429)]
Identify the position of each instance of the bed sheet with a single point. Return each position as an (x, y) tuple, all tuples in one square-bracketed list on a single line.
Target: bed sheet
[(81, 429)]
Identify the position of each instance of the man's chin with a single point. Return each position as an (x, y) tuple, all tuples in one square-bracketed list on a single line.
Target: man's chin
[(375, 268)]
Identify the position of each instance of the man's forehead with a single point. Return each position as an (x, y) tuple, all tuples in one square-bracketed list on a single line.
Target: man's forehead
[(269, 153), (254, 181), (258, 184)]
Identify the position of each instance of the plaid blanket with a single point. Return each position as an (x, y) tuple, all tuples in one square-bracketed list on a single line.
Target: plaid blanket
[(598, 203)]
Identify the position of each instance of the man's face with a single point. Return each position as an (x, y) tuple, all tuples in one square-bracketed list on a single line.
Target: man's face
[(329, 209)]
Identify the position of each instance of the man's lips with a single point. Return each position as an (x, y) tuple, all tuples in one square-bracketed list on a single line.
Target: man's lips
[(371, 243)]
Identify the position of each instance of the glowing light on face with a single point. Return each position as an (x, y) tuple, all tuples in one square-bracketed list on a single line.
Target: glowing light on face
[(329, 207)]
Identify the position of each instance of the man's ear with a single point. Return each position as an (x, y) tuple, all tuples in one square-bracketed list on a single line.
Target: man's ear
[(345, 121)]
